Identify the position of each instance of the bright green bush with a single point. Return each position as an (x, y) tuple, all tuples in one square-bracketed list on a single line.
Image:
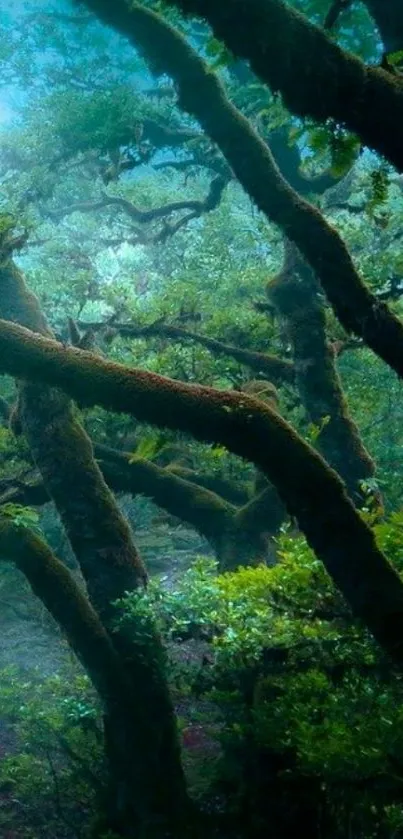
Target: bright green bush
[(296, 680)]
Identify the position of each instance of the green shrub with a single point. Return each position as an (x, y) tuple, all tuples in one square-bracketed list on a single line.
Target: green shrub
[(51, 768), (304, 692)]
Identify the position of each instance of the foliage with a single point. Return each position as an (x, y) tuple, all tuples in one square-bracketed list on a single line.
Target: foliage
[(149, 446), (53, 754), (21, 516), (329, 141), (292, 675), (108, 120), (288, 672)]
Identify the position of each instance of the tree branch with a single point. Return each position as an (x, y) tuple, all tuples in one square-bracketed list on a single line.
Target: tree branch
[(217, 519), (147, 216), (203, 509), (276, 369), (315, 76), (311, 491), (54, 585), (201, 93), (294, 292)]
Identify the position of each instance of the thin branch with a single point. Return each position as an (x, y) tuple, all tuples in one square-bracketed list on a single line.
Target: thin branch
[(276, 369), (196, 206)]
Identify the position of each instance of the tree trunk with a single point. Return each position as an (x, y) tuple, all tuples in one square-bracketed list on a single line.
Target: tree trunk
[(145, 760), (295, 295)]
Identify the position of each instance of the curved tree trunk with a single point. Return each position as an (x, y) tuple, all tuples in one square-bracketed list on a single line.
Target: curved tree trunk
[(146, 782)]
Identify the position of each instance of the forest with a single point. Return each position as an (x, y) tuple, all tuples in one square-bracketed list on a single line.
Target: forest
[(201, 354)]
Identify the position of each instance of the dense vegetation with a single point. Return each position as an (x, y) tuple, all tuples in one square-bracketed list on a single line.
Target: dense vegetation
[(201, 346)]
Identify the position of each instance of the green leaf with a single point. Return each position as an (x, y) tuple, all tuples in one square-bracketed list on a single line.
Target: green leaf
[(395, 58)]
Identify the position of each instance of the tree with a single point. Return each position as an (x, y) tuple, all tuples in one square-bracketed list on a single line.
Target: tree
[(136, 746), (235, 143)]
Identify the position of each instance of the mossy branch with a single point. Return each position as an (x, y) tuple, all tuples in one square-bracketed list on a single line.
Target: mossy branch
[(237, 494), (199, 506), (203, 509), (54, 585), (311, 491), (213, 516), (314, 75), (203, 96), (294, 293), (225, 525)]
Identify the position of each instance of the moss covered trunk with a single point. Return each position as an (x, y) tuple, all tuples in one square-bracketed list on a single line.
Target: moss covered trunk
[(295, 294), (146, 780)]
